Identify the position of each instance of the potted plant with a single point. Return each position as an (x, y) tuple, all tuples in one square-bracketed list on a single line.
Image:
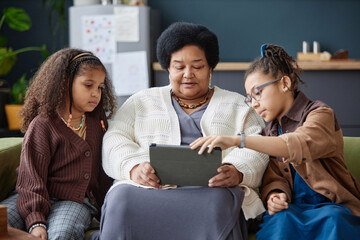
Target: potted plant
[(17, 19), (17, 94)]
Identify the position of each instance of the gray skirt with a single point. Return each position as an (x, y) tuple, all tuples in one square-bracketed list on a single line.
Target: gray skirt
[(131, 212)]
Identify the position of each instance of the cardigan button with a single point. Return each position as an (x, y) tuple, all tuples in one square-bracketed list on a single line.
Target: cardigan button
[(87, 154), (303, 159), (86, 176), (286, 169)]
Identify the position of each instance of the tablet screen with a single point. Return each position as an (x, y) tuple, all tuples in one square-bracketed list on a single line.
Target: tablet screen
[(179, 165)]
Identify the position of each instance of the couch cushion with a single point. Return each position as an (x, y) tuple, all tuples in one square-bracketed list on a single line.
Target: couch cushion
[(10, 149), (352, 155)]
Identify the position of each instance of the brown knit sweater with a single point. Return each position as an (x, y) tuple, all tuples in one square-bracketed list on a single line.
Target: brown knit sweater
[(57, 163)]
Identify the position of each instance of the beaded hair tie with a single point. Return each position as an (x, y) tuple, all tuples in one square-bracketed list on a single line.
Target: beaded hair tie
[(262, 50)]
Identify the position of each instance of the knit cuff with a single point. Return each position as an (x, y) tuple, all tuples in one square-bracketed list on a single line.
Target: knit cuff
[(128, 166), (252, 205), (34, 217)]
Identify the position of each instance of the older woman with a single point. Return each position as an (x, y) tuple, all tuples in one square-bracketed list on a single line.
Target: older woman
[(136, 207)]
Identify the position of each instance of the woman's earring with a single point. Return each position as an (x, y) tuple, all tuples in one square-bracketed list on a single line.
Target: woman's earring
[(210, 79)]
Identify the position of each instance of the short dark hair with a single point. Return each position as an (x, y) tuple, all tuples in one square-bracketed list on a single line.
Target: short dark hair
[(181, 34)]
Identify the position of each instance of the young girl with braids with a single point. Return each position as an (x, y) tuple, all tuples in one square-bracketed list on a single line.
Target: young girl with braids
[(60, 178), (309, 192)]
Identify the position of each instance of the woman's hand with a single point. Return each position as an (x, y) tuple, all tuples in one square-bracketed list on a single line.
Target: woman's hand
[(228, 176), (39, 232), (224, 142), (276, 202), (144, 174)]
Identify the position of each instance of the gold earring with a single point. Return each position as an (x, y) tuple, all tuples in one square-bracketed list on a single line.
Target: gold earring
[(210, 79)]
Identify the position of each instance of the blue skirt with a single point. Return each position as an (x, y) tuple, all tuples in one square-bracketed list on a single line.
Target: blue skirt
[(328, 221)]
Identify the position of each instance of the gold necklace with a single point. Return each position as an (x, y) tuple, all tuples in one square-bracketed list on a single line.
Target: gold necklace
[(191, 106)]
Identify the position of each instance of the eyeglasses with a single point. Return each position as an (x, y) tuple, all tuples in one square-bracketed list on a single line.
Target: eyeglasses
[(256, 92)]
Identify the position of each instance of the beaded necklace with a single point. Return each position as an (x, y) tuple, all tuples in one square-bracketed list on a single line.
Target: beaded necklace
[(67, 123), (191, 106)]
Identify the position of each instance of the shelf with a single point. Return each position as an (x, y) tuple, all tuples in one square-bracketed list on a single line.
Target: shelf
[(331, 65), (305, 65)]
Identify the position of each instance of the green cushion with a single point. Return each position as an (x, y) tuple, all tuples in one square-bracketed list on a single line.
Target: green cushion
[(10, 149), (352, 155)]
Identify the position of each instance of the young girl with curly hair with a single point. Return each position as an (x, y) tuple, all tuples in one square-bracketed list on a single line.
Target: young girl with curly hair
[(309, 192), (60, 178)]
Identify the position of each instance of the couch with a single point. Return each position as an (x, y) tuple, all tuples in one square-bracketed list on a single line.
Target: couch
[(10, 149)]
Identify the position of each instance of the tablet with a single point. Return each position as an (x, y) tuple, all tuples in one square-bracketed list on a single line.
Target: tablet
[(179, 165)]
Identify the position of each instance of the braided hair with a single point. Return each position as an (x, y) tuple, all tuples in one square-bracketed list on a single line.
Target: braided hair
[(52, 83), (277, 62)]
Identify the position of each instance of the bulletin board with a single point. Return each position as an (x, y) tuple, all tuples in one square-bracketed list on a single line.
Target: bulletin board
[(120, 36)]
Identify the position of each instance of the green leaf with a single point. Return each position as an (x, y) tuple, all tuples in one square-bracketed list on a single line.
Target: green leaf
[(19, 89), (44, 52), (6, 63), (17, 19), (3, 41)]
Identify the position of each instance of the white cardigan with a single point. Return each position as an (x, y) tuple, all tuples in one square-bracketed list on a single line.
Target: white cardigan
[(149, 117)]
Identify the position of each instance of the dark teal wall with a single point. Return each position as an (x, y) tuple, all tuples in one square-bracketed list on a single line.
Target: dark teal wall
[(243, 25), (38, 34)]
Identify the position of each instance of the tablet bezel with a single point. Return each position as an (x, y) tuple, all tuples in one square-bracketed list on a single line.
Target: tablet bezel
[(180, 165)]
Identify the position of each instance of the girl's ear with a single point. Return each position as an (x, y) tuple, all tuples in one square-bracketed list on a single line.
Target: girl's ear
[(286, 83)]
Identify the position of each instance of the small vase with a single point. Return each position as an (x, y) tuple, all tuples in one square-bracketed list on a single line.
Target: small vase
[(12, 115)]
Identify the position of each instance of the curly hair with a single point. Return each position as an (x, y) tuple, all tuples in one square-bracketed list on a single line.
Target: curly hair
[(180, 34), (276, 61), (52, 82)]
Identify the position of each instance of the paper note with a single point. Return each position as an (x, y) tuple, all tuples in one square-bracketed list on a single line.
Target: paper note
[(130, 73), (127, 24), (98, 36)]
